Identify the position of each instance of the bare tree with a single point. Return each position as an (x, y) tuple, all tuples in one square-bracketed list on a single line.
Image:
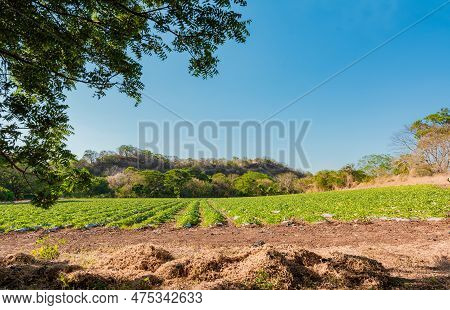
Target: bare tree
[(287, 182), (404, 141), (434, 149), (427, 142)]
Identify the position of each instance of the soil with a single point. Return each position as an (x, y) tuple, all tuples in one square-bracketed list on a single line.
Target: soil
[(327, 255)]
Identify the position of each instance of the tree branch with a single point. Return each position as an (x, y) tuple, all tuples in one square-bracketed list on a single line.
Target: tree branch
[(11, 162)]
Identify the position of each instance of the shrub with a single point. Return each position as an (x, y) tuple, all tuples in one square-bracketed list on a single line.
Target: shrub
[(6, 194), (47, 249), (304, 185), (14, 181), (125, 183), (376, 165), (266, 187), (223, 185), (402, 165), (153, 185), (327, 180), (174, 181), (251, 184), (99, 188), (287, 182), (422, 171), (348, 175), (197, 188)]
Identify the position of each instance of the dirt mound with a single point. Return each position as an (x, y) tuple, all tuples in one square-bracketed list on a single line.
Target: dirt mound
[(269, 268), (22, 271), (353, 272), (19, 258), (141, 257), (204, 266), (145, 266)]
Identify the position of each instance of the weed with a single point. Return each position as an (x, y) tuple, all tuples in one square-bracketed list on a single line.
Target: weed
[(47, 250), (263, 281), (62, 277)]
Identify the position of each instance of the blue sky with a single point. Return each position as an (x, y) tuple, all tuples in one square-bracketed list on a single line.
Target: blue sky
[(293, 46)]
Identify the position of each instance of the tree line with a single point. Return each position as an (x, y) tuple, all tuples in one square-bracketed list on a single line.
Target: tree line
[(130, 172)]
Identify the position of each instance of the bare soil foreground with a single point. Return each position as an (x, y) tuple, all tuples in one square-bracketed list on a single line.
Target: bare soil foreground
[(329, 255)]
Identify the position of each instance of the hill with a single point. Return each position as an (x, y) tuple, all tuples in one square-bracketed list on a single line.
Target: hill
[(107, 163)]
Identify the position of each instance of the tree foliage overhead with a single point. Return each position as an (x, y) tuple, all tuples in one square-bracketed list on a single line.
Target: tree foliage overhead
[(47, 47)]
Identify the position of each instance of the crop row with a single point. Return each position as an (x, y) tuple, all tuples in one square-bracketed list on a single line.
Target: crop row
[(82, 213), (122, 213), (200, 213), (191, 215), (420, 202)]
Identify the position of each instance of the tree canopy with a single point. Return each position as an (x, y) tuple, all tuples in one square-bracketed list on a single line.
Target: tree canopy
[(47, 47), (439, 121)]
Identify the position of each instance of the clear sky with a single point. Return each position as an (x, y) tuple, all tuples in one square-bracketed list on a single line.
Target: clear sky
[(293, 46)]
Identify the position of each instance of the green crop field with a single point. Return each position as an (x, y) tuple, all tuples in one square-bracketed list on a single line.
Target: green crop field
[(419, 202)]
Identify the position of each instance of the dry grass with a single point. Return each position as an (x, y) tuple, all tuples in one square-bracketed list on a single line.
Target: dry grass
[(399, 180)]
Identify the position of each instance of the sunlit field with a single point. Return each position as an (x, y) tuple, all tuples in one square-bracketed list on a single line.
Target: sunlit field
[(405, 202)]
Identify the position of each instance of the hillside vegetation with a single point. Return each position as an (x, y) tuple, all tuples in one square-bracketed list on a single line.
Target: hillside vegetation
[(133, 173)]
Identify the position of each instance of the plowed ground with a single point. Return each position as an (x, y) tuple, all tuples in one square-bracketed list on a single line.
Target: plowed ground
[(328, 255)]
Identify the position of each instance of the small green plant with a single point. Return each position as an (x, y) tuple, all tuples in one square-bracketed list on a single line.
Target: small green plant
[(62, 277), (47, 250), (262, 281)]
